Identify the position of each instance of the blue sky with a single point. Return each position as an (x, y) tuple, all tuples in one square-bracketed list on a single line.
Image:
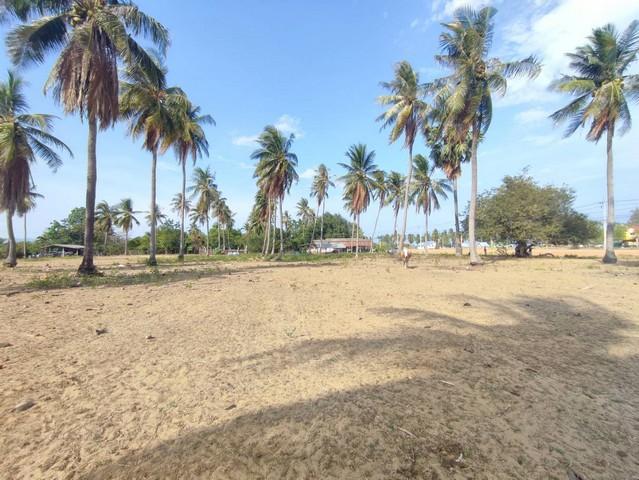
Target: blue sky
[(313, 69)]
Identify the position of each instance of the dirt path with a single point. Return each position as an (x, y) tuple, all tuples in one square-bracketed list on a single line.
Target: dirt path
[(519, 369)]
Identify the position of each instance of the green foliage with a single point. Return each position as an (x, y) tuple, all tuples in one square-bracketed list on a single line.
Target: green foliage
[(70, 230), (634, 217), (521, 210)]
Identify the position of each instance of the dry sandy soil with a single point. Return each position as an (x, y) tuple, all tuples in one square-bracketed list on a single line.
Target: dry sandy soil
[(522, 369)]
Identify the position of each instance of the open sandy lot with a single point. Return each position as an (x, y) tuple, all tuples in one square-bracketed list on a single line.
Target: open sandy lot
[(349, 369)]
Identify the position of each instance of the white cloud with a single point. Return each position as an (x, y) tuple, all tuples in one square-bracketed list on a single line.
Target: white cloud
[(288, 124), (244, 140), (550, 33), (443, 9), (531, 116), (246, 166), (541, 140), (308, 173)]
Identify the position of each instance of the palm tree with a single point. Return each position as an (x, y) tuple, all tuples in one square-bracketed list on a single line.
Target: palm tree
[(180, 203), (23, 138), (468, 90), (321, 183), (602, 87), (28, 205), (259, 216), (125, 219), (275, 169), (160, 217), (380, 191), (105, 219), (189, 139), (93, 36), (148, 104), (199, 216), (407, 114), (359, 182), (395, 186), (448, 153), (427, 190), (205, 190)]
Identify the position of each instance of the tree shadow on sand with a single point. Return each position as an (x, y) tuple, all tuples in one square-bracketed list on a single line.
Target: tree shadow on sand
[(545, 388)]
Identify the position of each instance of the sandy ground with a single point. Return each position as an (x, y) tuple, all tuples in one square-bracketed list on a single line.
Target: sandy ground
[(519, 369)]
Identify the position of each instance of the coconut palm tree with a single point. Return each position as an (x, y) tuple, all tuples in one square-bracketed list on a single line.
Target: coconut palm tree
[(148, 105), (24, 137), (160, 217), (468, 90), (359, 182), (180, 203), (189, 139), (407, 114), (105, 219), (259, 216), (380, 191), (93, 36), (125, 219), (28, 205), (319, 189), (204, 190), (395, 186), (426, 190), (275, 169), (305, 212), (603, 87)]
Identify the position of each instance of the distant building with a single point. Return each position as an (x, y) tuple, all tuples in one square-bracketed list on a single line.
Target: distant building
[(63, 250), (340, 245), (631, 236)]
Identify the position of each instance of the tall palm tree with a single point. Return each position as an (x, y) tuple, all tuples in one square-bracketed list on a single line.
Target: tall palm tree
[(93, 36), (275, 169), (468, 90), (319, 189), (448, 152), (602, 86), (24, 137), (125, 219), (160, 217), (427, 190), (259, 216), (380, 191), (407, 114), (189, 139), (105, 219), (205, 191), (148, 104), (28, 205), (395, 187), (359, 182), (199, 216)]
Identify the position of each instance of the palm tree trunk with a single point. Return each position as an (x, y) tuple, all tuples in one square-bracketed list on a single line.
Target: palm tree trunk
[(395, 228), (314, 225), (274, 220), (322, 226), (153, 237), (87, 267), (409, 179), (208, 233), (609, 253), (219, 237), (357, 238), (379, 210), (267, 236), (426, 231), (106, 238), (182, 211), (474, 258), (11, 260), (24, 244), (281, 227), (458, 241), (126, 242)]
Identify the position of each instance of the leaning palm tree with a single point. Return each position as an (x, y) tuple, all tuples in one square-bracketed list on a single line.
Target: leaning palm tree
[(426, 190), (105, 219), (321, 183), (24, 137), (148, 104), (407, 115), (28, 205), (468, 90), (188, 139), (395, 187), (125, 219), (204, 190), (359, 182), (275, 169), (380, 191), (93, 36), (603, 87)]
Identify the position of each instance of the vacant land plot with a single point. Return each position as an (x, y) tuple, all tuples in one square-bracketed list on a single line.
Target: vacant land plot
[(339, 369)]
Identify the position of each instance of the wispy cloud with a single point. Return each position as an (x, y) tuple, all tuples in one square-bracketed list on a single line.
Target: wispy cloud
[(168, 166), (443, 9), (531, 116), (244, 140), (308, 173), (287, 124), (541, 140)]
